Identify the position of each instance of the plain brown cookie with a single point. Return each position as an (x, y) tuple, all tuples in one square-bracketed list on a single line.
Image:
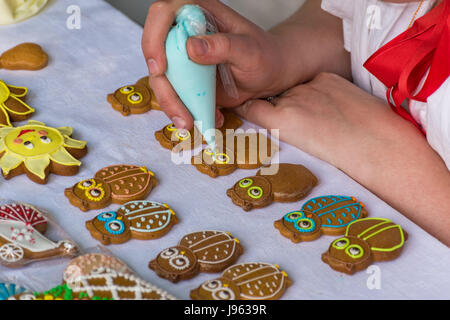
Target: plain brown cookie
[(113, 184), (134, 99), (291, 183), (203, 251), (25, 56)]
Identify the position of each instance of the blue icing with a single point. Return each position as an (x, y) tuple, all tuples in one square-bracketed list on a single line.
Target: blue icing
[(195, 84), (7, 291)]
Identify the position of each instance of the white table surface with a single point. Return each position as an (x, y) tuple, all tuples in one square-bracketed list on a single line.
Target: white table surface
[(105, 54)]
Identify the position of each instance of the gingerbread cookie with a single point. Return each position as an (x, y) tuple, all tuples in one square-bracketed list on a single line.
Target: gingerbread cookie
[(8, 290), (91, 263), (180, 139), (142, 220), (12, 104), (321, 215), (204, 251), (243, 151), (366, 241), (291, 183), (247, 281), (22, 240), (38, 150), (114, 184), (25, 56), (134, 99)]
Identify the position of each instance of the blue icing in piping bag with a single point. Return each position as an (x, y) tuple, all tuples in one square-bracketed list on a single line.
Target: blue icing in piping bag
[(195, 84)]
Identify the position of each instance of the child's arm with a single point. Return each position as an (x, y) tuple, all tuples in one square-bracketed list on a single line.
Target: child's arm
[(263, 63), (337, 122)]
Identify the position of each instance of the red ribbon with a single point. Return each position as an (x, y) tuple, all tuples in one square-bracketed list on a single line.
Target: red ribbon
[(403, 62)]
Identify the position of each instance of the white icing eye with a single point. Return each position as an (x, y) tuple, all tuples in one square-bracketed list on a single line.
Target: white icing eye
[(179, 262), (86, 183), (28, 145), (126, 89), (45, 139), (354, 251), (170, 252), (135, 97), (304, 224), (95, 193), (212, 285), (224, 294), (341, 243)]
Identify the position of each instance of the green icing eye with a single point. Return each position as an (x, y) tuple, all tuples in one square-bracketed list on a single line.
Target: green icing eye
[(255, 192), (340, 244), (354, 251), (245, 183)]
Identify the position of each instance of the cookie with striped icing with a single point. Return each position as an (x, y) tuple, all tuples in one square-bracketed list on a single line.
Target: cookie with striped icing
[(203, 251), (328, 215), (246, 281), (142, 220), (113, 184)]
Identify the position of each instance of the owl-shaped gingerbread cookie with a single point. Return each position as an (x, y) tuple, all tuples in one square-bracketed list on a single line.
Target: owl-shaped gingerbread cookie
[(321, 215), (181, 139), (365, 241), (204, 251), (239, 151), (292, 182), (142, 220), (247, 281), (134, 99), (113, 184)]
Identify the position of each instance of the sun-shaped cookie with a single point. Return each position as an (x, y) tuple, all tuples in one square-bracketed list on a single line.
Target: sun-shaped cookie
[(12, 105), (37, 150)]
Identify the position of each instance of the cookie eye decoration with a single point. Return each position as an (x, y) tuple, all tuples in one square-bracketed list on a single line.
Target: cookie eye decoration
[(45, 139), (293, 216), (340, 244), (168, 253), (179, 262), (305, 225), (115, 227), (85, 184), (95, 194), (183, 134), (245, 183), (223, 294), (212, 285), (222, 158), (127, 89), (107, 216), (28, 145), (255, 192), (171, 127), (208, 151), (135, 98), (354, 251)]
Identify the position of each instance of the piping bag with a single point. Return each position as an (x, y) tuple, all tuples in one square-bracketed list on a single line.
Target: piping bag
[(195, 84)]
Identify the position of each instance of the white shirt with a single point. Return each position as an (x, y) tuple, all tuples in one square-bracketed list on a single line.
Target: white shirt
[(370, 24)]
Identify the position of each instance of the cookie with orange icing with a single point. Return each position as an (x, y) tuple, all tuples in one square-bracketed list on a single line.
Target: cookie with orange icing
[(113, 184)]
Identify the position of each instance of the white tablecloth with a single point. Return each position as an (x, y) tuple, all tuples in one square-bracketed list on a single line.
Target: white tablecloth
[(104, 54)]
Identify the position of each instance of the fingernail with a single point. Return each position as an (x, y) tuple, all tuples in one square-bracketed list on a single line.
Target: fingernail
[(200, 46), (179, 122), (152, 66)]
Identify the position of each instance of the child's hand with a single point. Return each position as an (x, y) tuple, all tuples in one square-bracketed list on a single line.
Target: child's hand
[(336, 121), (250, 51)]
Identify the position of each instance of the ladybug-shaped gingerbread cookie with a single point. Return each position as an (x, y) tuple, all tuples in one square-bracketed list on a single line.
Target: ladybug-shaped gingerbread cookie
[(247, 281), (142, 220), (321, 215), (134, 99), (114, 184), (204, 251), (365, 241), (291, 183)]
